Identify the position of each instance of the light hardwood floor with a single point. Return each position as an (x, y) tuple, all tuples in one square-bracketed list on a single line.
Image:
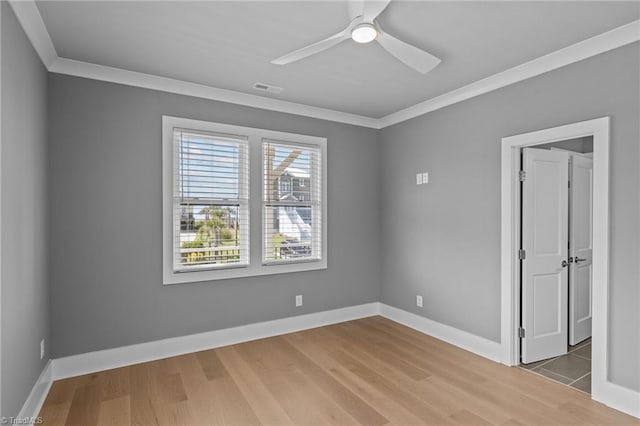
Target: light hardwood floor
[(370, 371)]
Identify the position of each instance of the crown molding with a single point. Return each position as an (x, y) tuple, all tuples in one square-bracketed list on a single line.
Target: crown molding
[(33, 25), (148, 81), (29, 17), (593, 46)]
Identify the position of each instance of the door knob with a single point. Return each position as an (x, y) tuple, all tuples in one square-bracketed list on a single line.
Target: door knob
[(564, 264), (578, 260)]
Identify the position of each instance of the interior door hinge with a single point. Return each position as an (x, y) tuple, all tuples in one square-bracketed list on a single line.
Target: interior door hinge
[(521, 332), (522, 175), (522, 255)]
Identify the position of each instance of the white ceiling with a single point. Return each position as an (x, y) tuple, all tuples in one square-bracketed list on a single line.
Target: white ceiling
[(230, 44)]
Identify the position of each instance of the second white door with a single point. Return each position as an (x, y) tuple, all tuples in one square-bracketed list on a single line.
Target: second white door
[(545, 217), (580, 244)]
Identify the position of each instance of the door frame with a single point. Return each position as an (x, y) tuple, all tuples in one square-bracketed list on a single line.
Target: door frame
[(510, 243)]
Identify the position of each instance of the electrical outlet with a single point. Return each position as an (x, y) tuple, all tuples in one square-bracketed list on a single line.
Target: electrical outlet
[(425, 177), (41, 348), (299, 300), (419, 301)]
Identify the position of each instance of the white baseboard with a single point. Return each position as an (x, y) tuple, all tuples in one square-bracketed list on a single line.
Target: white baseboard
[(462, 339), (91, 362), (617, 397), (35, 400)]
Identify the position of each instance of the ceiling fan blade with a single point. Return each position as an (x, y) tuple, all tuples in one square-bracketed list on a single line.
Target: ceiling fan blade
[(371, 9), (356, 8), (415, 58), (312, 49)]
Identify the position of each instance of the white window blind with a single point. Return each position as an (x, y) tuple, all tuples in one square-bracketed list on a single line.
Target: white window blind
[(210, 200), (292, 202)]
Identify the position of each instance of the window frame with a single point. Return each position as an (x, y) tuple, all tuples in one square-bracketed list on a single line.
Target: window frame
[(255, 267)]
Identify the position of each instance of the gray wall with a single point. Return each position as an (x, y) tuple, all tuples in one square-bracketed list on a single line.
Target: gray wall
[(442, 240), (106, 232), (25, 295)]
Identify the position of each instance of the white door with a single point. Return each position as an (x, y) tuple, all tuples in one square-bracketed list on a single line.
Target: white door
[(580, 246), (545, 234)]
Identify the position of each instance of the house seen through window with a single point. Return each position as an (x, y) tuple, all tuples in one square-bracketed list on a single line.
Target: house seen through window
[(292, 201)]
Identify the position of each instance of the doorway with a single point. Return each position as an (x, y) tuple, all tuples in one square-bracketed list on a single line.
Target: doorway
[(556, 260), (601, 388)]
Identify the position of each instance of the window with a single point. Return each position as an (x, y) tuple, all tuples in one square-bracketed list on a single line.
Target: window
[(292, 217), (210, 200), (218, 176)]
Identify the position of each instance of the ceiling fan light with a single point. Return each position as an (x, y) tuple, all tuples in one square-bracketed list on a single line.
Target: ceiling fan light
[(364, 33)]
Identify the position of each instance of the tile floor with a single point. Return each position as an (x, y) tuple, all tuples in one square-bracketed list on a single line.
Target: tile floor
[(572, 369)]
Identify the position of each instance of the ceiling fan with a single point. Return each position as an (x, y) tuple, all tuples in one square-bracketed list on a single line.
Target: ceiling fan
[(364, 29)]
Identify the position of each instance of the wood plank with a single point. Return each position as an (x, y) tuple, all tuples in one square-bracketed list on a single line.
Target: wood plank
[(143, 393), (61, 391), (55, 414), (361, 337), (230, 403), (350, 402), (464, 417), (301, 399), (85, 406), (390, 382), (319, 350), (170, 388), (115, 412), (258, 396), (439, 408), (211, 365), (197, 388), (200, 403), (115, 383)]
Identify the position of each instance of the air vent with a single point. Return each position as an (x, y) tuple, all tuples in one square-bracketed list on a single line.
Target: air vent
[(267, 88)]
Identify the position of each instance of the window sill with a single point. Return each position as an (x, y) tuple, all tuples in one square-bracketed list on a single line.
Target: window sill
[(289, 262), (170, 277)]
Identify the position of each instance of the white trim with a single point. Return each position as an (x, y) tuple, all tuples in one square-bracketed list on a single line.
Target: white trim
[(31, 21), (462, 339), (593, 46), (620, 398), (29, 17), (148, 81), (92, 362), (33, 404), (601, 388)]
